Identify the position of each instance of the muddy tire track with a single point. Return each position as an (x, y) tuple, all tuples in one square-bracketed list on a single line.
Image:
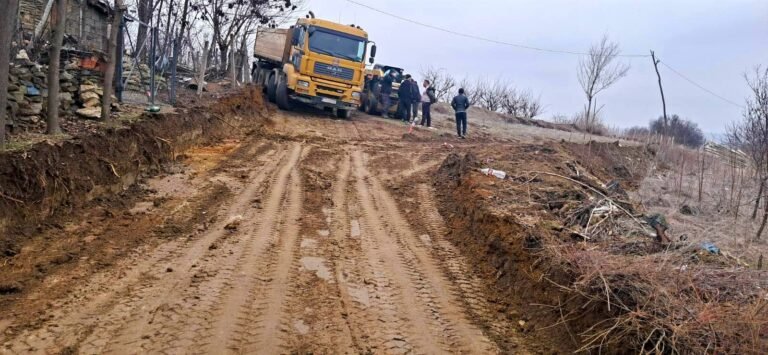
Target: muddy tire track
[(249, 318), (456, 267), (441, 312), (102, 305), (129, 327)]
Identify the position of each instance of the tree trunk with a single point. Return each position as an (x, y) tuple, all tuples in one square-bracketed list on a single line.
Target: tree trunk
[(201, 73), (53, 67), (7, 23), (109, 73), (763, 223), (232, 66), (223, 54), (145, 15), (757, 201)]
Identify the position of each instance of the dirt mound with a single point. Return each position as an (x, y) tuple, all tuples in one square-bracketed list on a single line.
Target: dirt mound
[(50, 179), (584, 281)]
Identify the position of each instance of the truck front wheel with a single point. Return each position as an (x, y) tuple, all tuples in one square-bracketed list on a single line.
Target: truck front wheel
[(281, 96), (344, 114), (271, 87)]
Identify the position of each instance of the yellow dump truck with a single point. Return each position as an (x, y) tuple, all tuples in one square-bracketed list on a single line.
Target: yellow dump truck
[(316, 62)]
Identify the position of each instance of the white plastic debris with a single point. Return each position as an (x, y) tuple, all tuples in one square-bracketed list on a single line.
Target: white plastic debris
[(497, 173)]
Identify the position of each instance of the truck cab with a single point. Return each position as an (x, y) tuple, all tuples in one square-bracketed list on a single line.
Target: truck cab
[(322, 64)]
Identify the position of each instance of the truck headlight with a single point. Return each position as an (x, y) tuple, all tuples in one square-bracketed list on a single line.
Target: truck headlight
[(302, 83), (356, 95)]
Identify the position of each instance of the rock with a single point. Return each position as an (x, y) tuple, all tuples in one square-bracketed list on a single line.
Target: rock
[(66, 97), (88, 88), (33, 109), (66, 76), (31, 119), (92, 103), (72, 66), (22, 55), (233, 223), (13, 87), (89, 95), (19, 71), (90, 112)]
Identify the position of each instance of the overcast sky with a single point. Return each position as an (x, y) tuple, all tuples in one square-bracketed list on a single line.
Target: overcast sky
[(712, 42)]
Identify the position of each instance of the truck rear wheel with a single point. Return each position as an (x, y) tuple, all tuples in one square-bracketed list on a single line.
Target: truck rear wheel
[(281, 96), (373, 106), (344, 114), (271, 87)]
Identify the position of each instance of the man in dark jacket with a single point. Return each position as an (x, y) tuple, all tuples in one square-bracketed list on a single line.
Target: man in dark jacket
[(460, 104), (404, 95), (427, 99), (415, 98), (386, 91)]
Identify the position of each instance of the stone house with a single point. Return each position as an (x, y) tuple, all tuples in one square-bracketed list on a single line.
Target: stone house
[(87, 21)]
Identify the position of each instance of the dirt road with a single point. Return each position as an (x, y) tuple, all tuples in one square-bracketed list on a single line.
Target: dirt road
[(295, 241)]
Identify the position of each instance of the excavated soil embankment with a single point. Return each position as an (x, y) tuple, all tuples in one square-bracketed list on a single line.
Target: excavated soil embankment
[(580, 265), (48, 181)]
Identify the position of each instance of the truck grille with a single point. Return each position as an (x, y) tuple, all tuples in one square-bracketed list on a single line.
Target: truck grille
[(334, 71)]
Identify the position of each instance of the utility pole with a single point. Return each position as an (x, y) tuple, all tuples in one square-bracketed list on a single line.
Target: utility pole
[(661, 89)]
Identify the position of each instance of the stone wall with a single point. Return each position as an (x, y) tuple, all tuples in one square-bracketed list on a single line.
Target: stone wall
[(80, 92), (94, 20)]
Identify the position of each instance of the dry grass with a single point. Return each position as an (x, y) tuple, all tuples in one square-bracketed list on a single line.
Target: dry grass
[(722, 217)]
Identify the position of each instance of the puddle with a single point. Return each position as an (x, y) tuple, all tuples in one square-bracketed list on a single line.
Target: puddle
[(355, 229), (426, 239), (323, 232), (308, 243), (359, 295), (316, 264), (301, 327)]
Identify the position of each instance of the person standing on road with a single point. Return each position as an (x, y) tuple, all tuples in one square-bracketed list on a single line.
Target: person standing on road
[(427, 99), (460, 104), (404, 95), (415, 99), (386, 91)]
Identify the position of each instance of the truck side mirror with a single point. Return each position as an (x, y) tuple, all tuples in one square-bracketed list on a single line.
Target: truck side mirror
[(373, 51)]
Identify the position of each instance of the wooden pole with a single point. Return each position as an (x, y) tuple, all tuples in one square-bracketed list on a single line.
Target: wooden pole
[(203, 66), (661, 90)]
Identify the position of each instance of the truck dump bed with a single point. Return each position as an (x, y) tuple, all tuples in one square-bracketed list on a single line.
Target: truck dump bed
[(270, 44)]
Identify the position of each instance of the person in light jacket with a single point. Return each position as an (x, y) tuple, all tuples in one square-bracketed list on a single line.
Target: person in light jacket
[(427, 99), (460, 104)]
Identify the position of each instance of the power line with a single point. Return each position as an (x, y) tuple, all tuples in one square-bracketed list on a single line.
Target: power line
[(482, 38), (699, 86)]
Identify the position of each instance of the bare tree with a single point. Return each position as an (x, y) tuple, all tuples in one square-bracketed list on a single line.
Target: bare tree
[(109, 73), (521, 104), (441, 81), (7, 22), (751, 135), (597, 71), (492, 94), (57, 37)]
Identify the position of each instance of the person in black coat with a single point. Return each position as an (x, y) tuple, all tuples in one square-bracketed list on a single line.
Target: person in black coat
[(404, 97), (415, 98)]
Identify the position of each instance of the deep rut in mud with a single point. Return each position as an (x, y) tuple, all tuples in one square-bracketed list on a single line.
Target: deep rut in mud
[(312, 252)]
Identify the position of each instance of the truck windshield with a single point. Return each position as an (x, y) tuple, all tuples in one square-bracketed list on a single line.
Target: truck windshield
[(336, 44)]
